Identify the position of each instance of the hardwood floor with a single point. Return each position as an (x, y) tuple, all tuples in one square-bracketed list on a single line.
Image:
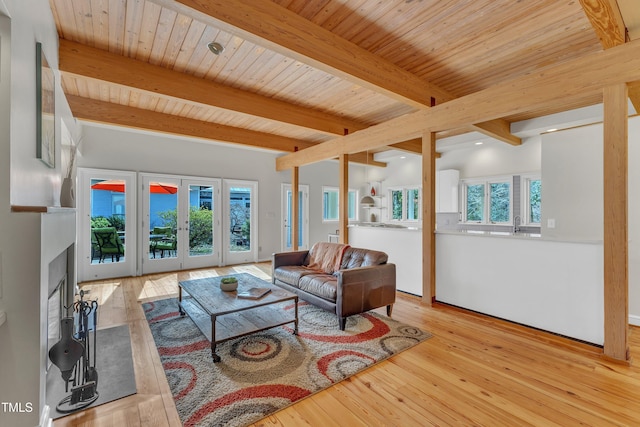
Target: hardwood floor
[(475, 371)]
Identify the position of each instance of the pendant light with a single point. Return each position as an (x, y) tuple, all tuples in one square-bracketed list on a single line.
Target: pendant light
[(367, 201)]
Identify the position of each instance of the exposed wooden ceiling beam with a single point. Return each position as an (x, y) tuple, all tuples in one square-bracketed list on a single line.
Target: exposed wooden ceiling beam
[(581, 78), (266, 23), (105, 112), (99, 64), (608, 23), (411, 146), (499, 129), (634, 95), (366, 159), (606, 20)]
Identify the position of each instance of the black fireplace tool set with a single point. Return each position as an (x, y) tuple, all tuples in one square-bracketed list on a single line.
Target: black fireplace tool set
[(73, 355)]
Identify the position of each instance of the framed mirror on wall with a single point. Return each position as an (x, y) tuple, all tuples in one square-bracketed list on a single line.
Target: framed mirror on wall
[(45, 110)]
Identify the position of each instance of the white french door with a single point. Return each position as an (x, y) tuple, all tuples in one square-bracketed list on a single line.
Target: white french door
[(287, 216), (202, 223), (240, 224), (106, 202), (181, 224)]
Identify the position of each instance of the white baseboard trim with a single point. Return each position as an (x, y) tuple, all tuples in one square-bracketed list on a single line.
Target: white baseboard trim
[(45, 419), (634, 320)]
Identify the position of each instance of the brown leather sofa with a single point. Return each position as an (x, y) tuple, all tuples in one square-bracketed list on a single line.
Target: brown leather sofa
[(363, 282)]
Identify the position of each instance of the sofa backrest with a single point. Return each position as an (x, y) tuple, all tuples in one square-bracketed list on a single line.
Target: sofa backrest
[(359, 257)]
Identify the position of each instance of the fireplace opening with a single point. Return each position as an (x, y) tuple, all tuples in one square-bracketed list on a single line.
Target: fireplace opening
[(55, 312)]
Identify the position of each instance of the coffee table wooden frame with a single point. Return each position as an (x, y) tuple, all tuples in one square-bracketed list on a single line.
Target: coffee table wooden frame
[(222, 316)]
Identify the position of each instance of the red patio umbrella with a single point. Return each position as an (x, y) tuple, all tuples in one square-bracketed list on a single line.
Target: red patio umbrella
[(118, 186)]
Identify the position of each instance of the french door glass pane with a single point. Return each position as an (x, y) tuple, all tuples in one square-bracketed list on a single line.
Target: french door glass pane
[(500, 202), (107, 220), (475, 203), (201, 208), (240, 219), (163, 220), (290, 218)]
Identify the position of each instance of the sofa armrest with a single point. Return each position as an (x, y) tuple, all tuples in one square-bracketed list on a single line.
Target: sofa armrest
[(288, 258), (364, 288)]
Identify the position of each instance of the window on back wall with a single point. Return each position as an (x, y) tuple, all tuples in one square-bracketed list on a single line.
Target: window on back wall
[(531, 187), (331, 204), (487, 201), (405, 204)]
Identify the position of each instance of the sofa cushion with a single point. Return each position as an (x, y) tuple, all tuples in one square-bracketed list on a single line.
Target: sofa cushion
[(320, 285), (358, 257), (290, 274)]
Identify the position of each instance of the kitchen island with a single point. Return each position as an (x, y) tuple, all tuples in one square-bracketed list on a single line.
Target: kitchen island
[(549, 284)]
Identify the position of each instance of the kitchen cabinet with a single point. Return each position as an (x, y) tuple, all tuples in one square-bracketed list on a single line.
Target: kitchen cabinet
[(447, 181)]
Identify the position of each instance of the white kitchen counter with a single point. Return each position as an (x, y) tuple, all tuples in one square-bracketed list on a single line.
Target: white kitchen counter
[(500, 234), (511, 235)]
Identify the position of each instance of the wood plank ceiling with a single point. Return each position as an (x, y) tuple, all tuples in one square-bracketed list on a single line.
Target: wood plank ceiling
[(296, 73)]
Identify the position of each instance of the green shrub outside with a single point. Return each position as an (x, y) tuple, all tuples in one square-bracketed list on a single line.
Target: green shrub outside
[(200, 226), (100, 222)]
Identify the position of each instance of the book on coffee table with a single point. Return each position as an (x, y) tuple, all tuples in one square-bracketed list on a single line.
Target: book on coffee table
[(254, 293)]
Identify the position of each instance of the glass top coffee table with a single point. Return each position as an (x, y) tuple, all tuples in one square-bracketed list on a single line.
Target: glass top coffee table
[(222, 316)]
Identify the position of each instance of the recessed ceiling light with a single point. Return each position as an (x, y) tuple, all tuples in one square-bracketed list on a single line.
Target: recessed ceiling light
[(215, 47), (479, 143)]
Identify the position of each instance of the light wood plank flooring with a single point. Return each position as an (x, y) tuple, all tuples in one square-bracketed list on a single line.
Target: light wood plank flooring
[(475, 371)]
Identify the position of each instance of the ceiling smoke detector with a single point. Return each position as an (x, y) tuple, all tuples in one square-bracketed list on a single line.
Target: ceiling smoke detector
[(215, 47)]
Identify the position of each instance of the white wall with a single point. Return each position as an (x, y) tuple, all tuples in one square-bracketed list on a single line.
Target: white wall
[(32, 182), (107, 147), (325, 174), (493, 158), (572, 184), (579, 214), (25, 180)]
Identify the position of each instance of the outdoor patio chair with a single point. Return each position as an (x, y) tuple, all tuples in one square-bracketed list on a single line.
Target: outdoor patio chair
[(95, 249), (109, 243), (167, 243)]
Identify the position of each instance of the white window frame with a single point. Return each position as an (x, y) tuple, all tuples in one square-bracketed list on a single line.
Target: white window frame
[(328, 188), (487, 181), (525, 205), (405, 190)]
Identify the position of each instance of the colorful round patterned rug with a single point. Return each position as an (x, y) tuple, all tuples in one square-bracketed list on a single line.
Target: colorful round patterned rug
[(269, 370)]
